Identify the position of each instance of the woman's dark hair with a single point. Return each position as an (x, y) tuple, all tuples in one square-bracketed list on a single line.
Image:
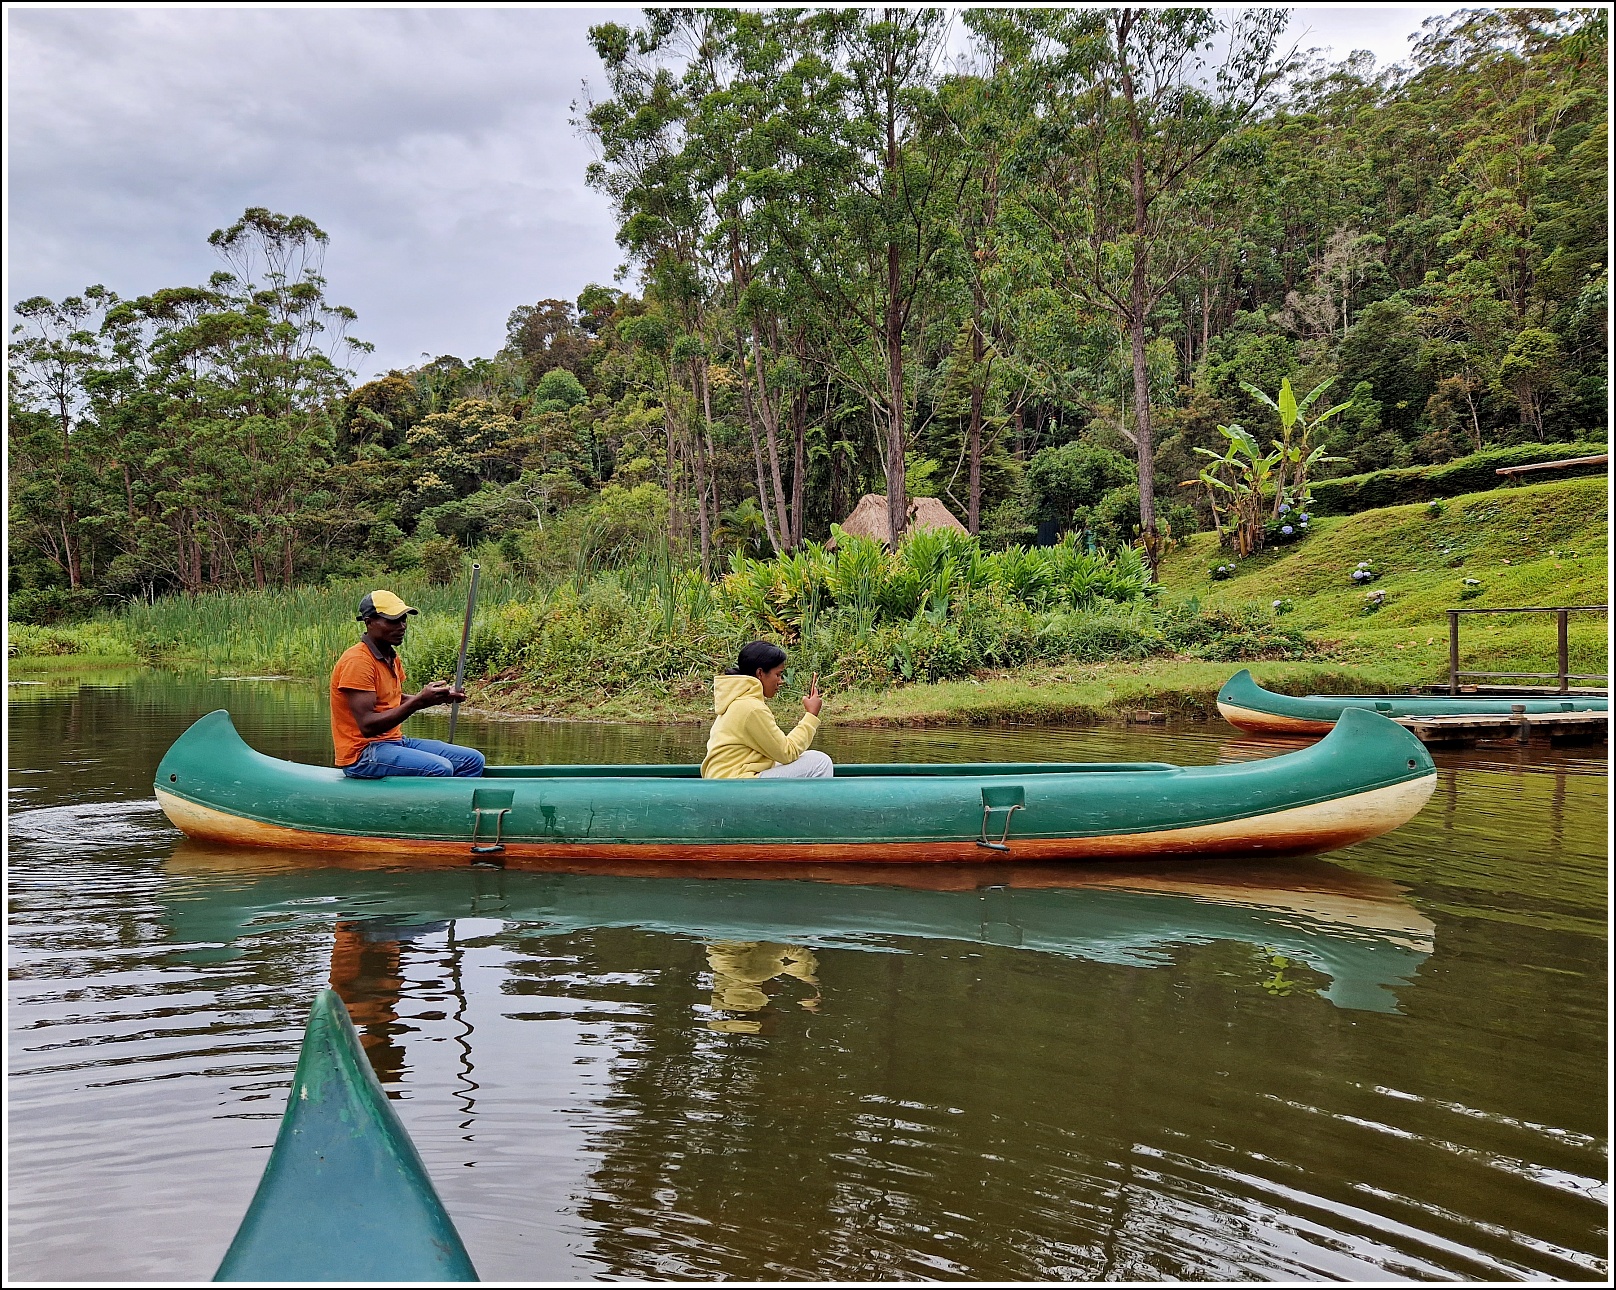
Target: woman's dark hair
[(759, 656)]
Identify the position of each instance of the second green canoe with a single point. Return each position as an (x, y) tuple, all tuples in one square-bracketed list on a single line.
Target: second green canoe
[(1244, 703)]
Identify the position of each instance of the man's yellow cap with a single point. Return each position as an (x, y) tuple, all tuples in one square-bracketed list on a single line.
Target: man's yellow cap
[(383, 604)]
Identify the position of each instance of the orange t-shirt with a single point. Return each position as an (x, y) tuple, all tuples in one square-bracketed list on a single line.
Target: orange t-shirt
[(359, 669)]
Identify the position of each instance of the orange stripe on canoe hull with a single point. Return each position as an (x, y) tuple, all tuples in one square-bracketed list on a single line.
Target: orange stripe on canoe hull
[(1271, 723), (1302, 830)]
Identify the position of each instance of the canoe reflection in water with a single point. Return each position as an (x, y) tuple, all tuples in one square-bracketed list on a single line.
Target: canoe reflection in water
[(776, 922)]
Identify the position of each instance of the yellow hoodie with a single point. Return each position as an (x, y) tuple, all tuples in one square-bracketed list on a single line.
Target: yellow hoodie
[(746, 739)]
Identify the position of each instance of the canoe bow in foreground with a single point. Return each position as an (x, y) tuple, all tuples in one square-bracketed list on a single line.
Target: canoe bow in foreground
[(344, 1196), (1367, 778), (1245, 704)]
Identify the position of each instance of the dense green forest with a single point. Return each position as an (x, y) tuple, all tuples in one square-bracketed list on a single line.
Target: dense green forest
[(1031, 284)]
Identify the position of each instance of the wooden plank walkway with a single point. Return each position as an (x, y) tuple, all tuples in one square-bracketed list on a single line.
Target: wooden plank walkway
[(1517, 691), (1565, 727)]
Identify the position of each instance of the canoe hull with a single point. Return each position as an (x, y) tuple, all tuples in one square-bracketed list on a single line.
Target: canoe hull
[(1365, 780), (1246, 705), (1254, 722), (344, 1195), (1299, 831)]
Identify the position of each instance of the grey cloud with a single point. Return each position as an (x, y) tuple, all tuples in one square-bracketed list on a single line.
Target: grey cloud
[(433, 145)]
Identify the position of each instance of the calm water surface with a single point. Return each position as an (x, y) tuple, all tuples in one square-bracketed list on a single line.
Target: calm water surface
[(1389, 1064)]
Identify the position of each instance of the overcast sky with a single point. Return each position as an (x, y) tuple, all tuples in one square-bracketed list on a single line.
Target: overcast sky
[(433, 145)]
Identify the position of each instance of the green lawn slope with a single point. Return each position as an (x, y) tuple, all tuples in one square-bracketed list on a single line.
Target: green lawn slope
[(1543, 544)]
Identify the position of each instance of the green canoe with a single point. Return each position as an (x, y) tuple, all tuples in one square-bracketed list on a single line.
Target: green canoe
[(1247, 705), (344, 1196), (1368, 777)]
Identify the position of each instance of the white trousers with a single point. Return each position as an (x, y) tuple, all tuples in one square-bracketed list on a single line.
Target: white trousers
[(811, 765)]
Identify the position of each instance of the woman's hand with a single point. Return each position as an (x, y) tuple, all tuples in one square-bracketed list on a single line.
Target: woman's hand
[(813, 701)]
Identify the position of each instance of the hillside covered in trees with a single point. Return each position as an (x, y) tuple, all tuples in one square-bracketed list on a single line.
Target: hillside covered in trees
[(1031, 285)]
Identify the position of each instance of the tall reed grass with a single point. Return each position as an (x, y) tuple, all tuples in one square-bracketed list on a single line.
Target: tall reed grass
[(859, 615)]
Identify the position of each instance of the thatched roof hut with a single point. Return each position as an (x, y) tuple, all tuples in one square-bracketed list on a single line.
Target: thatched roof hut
[(869, 518)]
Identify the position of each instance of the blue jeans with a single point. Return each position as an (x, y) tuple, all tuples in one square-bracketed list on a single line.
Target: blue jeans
[(408, 756)]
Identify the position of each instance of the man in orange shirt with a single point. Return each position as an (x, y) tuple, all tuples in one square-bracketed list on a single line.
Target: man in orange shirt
[(368, 703)]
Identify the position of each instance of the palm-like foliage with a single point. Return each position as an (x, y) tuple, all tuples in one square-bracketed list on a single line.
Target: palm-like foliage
[(933, 575), (1297, 453), (1241, 476)]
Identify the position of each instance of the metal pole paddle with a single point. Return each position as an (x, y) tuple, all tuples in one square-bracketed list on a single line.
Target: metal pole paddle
[(465, 639)]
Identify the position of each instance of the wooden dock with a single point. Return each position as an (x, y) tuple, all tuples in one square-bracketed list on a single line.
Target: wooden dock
[(1516, 691), (1516, 727)]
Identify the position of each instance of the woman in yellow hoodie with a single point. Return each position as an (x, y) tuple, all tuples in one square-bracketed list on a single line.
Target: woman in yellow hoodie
[(746, 742)]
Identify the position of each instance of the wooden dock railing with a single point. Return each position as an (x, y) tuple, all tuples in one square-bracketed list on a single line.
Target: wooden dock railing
[(1562, 613)]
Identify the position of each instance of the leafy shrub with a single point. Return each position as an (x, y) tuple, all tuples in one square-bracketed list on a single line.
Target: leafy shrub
[(932, 572), (619, 527), (98, 639), (1075, 476), (1114, 519), (1226, 634), (557, 391), (44, 606), (155, 649), (442, 559), (1290, 526), (1473, 474)]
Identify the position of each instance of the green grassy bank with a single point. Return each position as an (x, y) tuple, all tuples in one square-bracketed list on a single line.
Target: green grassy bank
[(1544, 544), (1031, 695), (642, 643)]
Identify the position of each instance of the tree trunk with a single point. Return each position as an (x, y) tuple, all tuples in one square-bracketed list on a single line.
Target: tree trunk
[(897, 499), (69, 547), (838, 496), (704, 485), (799, 466), (1475, 416), (897, 496), (1143, 435), (973, 505), (771, 432), (747, 403), (69, 520), (715, 501), (1138, 307), (673, 479)]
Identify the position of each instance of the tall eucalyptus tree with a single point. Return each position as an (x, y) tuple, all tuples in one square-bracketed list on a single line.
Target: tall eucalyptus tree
[(1137, 120), (858, 200)]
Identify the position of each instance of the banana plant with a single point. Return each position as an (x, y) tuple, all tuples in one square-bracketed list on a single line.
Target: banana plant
[(1243, 473), (1297, 454)]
